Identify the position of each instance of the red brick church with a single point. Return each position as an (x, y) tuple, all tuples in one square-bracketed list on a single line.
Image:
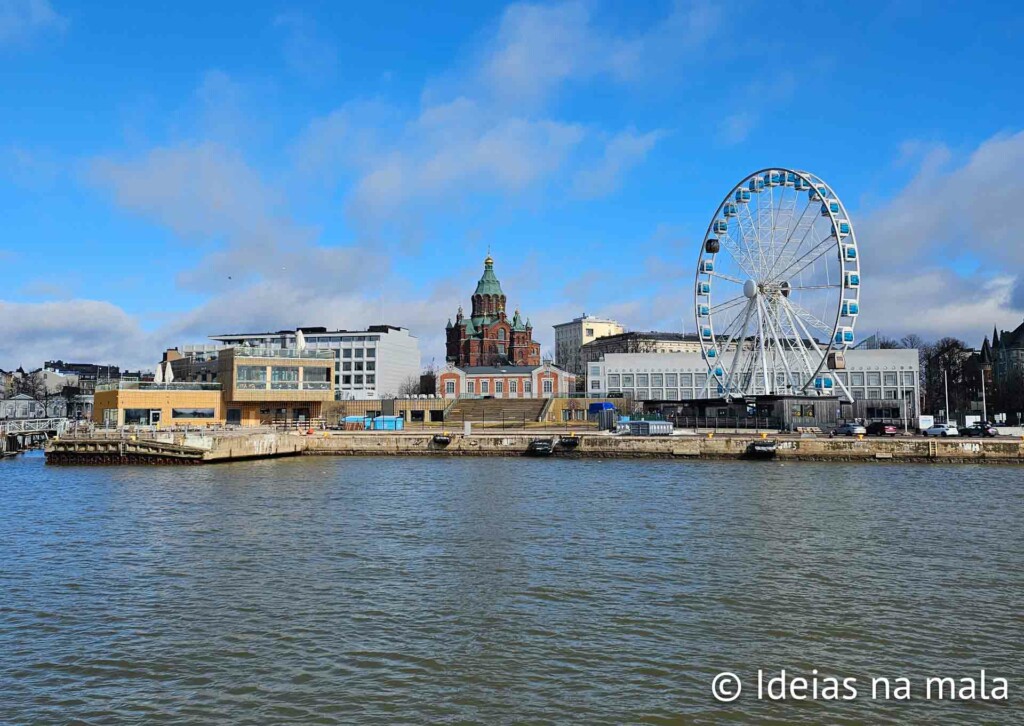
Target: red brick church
[(487, 337)]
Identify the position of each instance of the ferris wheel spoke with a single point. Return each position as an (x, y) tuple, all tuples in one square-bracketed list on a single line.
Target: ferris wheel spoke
[(790, 235), (740, 348), (804, 356), (815, 287), (776, 330), (812, 319), (741, 255), (810, 338), (730, 278), (821, 248)]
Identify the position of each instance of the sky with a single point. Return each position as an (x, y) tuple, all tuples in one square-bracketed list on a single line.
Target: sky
[(170, 173)]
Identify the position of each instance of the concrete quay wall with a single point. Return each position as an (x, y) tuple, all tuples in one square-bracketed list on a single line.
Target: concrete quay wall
[(715, 447)]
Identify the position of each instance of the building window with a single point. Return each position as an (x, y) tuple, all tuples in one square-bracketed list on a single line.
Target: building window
[(359, 380), (874, 393), (627, 379), (449, 386), (358, 352), (595, 385), (657, 379), (909, 378), (590, 332), (686, 380), (371, 365), (874, 378), (136, 417), (485, 386), (595, 370), (284, 378), (548, 385), (657, 394), (471, 387), (347, 380), (251, 378), (513, 386), (499, 387), (359, 365), (371, 380), (613, 380), (346, 353), (501, 334), (527, 386), (641, 379), (371, 352), (192, 413), (889, 379), (856, 379)]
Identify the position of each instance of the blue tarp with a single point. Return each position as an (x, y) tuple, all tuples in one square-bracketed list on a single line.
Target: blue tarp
[(598, 407)]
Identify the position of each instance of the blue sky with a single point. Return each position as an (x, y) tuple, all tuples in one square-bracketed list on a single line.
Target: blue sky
[(166, 174)]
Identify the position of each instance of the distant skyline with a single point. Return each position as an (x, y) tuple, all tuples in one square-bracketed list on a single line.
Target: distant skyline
[(168, 174)]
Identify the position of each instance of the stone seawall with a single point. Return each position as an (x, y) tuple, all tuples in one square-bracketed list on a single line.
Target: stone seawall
[(168, 448)]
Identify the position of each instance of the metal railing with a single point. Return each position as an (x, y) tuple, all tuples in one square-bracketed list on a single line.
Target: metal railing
[(243, 352), (150, 386)]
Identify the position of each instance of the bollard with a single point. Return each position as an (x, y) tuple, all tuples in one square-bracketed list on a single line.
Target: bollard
[(764, 435), (860, 437), (711, 434)]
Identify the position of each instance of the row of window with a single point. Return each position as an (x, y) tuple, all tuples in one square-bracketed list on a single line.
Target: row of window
[(357, 366), (855, 378), (358, 379), (358, 352), (673, 394), (547, 386)]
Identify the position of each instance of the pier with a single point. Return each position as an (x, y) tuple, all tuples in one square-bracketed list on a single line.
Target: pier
[(162, 447)]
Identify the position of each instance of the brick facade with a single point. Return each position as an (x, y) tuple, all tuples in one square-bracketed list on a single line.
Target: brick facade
[(543, 381)]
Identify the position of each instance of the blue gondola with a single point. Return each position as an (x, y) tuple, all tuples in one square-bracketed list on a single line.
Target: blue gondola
[(850, 252), (800, 184), (707, 266), (773, 178), (823, 383), (705, 332), (703, 288), (852, 280), (721, 226), (818, 193), (719, 372), (850, 308), (844, 336), (831, 206), (712, 353), (730, 210), (704, 310), (789, 179), (742, 196), (756, 184), (843, 229)]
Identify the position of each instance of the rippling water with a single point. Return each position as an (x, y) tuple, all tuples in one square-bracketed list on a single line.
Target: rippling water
[(366, 591)]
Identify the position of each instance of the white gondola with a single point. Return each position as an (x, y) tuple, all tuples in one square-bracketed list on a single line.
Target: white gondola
[(721, 226), (742, 196), (830, 206), (844, 336), (852, 280), (707, 266), (851, 308)]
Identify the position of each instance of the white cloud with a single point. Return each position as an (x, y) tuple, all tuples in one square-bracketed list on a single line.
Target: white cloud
[(943, 256), (624, 151), (21, 20), (88, 330)]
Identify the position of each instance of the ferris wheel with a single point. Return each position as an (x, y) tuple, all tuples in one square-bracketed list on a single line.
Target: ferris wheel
[(777, 290)]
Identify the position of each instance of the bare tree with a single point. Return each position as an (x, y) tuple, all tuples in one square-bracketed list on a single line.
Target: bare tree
[(410, 386)]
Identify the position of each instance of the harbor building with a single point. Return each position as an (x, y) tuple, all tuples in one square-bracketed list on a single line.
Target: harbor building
[(570, 338), (488, 337), (537, 381), (368, 364), (885, 384), (254, 386)]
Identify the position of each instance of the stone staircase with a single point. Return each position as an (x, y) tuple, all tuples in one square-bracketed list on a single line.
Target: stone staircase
[(496, 410)]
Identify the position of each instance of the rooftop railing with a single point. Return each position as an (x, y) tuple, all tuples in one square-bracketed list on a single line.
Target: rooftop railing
[(246, 352), (150, 386)]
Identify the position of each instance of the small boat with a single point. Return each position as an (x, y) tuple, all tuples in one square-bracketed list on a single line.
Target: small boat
[(569, 442), (765, 449), (442, 439), (540, 447)]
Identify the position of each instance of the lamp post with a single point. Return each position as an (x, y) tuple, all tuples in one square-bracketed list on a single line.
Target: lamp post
[(984, 403), (945, 384)]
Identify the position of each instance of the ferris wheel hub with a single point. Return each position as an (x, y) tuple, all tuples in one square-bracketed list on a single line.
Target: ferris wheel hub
[(750, 289)]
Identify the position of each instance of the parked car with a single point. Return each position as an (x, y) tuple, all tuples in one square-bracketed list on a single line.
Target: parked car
[(980, 429), (942, 430), (849, 429), (882, 429)]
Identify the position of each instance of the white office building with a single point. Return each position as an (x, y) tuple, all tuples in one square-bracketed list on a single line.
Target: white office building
[(371, 363), (572, 336)]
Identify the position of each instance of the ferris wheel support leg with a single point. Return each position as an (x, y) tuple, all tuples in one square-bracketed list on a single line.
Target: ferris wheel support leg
[(739, 348), (764, 357), (797, 337), (810, 338), (775, 326)]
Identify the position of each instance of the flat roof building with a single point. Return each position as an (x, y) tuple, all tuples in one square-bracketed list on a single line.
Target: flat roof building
[(570, 337)]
